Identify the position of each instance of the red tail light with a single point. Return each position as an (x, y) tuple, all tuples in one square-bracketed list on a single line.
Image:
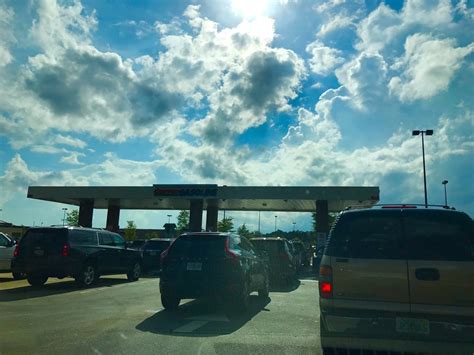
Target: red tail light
[(16, 252), (229, 252), (66, 250), (325, 282)]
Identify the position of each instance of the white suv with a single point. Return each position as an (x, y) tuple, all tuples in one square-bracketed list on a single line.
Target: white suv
[(7, 247)]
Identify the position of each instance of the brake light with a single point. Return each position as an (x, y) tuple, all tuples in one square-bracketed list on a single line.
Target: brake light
[(65, 250), (325, 281), (16, 252), (229, 252)]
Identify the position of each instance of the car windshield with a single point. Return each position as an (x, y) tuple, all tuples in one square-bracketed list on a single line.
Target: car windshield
[(272, 247), (198, 246)]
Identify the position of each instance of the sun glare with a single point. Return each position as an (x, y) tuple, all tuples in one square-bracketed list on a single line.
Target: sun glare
[(250, 8)]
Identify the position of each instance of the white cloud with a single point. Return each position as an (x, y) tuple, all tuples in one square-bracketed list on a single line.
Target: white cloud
[(71, 141), (324, 59), (7, 38), (328, 5), (336, 23), (428, 66), (72, 158)]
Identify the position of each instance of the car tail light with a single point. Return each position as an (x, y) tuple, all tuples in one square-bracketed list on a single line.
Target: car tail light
[(229, 252), (65, 250), (16, 252), (325, 282)]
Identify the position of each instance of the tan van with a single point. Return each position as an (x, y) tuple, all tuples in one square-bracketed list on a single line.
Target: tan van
[(398, 278)]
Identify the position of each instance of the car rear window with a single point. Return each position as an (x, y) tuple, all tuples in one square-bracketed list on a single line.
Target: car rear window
[(372, 235), (157, 245), (272, 247), (82, 237), (439, 235), (198, 246), (44, 238)]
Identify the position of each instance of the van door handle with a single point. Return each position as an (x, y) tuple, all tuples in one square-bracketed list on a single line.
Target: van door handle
[(342, 260), (427, 274)]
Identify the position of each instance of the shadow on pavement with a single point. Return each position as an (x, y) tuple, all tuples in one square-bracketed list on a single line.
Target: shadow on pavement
[(279, 287), (28, 292), (208, 319)]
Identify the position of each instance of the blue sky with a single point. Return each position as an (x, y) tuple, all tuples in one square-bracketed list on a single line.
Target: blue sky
[(269, 92)]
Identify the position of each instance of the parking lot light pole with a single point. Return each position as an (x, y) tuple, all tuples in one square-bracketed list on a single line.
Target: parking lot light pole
[(445, 182), (428, 132), (169, 216), (294, 225), (64, 215), (276, 223)]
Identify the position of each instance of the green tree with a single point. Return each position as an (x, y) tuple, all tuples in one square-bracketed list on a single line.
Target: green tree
[(150, 235), (130, 231), (183, 221), (72, 218), (243, 231), (226, 225)]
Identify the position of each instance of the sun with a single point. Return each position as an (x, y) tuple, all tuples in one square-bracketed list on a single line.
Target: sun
[(250, 8)]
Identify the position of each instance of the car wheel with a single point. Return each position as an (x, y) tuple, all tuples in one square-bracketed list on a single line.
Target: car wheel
[(88, 276), (134, 273), (18, 275), (264, 292), (170, 302), (36, 281)]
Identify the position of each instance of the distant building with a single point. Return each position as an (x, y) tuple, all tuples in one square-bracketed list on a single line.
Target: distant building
[(12, 230)]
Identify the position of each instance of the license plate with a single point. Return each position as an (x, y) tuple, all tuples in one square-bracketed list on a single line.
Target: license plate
[(194, 266), (413, 325), (39, 252)]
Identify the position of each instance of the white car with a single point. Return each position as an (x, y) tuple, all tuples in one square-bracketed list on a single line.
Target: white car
[(7, 247)]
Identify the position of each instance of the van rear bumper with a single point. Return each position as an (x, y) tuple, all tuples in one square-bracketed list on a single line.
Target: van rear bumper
[(59, 268), (359, 326)]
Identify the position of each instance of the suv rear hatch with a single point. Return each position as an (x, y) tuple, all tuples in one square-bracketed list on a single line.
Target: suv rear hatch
[(42, 248), (196, 264)]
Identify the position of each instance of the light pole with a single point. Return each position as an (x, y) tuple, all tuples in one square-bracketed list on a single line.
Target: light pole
[(169, 216), (294, 225), (428, 132), (276, 223), (64, 214), (445, 182)]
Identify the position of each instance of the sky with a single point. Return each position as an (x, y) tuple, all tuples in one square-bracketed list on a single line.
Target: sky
[(267, 93)]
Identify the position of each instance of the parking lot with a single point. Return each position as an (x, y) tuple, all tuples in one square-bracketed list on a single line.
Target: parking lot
[(117, 316)]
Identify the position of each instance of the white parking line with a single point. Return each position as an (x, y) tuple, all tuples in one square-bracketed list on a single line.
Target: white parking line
[(191, 326), (309, 280)]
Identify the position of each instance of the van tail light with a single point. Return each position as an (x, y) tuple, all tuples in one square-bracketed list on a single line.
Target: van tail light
[(16, 252), (325, 282), (66, 249), (231, 254)]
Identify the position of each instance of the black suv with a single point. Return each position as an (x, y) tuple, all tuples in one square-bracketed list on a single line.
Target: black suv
[(398, 278), (212, 265), (82, 253)]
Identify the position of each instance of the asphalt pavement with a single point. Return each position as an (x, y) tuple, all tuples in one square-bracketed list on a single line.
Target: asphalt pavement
[(121, 317)]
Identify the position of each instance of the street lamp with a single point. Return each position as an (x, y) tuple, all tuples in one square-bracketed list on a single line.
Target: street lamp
[(445, 182), (169, 216), (276, 223), (258, 222), (428, 132), (294, 224), (64, 214)]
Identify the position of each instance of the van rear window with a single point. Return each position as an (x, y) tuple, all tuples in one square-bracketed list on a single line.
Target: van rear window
[(272, 247), (44, 238), (366, 236)]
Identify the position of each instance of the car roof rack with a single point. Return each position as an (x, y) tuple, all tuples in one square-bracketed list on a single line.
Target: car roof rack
[(411, 205)]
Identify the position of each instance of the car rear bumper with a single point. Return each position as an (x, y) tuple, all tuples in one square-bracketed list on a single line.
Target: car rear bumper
[(58, 268), (199, 288), (345, 328)]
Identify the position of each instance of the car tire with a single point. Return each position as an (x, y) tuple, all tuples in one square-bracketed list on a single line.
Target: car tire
[(170, 302), (134, 273), (36, 281), (18, 275), (88, 275), (265, 291)]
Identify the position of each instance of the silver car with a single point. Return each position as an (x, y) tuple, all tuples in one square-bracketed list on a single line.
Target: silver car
[(7, 248)]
